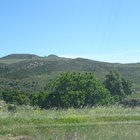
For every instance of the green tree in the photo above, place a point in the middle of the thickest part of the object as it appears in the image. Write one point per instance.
(74, 89)
(118, 86)
(15, 96)
(37, 99)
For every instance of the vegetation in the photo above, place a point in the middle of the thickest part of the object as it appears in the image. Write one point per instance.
(118, 86)
(76, 103)
(104, 123)
(73, 89)
(30, 73)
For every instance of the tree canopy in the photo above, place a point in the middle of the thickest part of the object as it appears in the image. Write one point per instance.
(74, 89)
(118, 85)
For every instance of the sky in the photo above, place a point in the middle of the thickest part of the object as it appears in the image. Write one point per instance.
(102, 30)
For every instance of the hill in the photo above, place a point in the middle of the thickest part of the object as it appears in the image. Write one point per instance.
(13, 58)
(19, 56)
(29, 72)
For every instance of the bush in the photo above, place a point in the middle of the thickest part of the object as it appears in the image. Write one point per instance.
(73, 89)
(16, 97)
(118, 86)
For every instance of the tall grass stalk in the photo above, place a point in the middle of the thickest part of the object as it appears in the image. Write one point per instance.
(98, 123)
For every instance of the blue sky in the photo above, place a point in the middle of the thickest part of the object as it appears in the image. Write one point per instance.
(104, 30)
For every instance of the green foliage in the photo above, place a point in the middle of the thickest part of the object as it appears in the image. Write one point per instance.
(23, 78)
(74, 89)
(118, 86)
(16, 97)
(38, 99)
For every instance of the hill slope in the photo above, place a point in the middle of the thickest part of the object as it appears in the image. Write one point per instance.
(31, 72)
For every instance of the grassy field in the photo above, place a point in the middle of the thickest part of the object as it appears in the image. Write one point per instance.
(97, 123)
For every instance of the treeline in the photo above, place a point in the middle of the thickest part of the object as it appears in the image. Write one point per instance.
(74, 89)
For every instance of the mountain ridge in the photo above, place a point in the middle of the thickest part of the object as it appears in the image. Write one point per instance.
(51, 56)
(28, 56)
(20, 56)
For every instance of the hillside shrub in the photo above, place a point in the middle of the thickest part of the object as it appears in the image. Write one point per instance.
(118, 86)
(16, 97)
(74, 89)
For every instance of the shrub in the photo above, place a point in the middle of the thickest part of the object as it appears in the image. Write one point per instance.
(118, 86)
(73, 89)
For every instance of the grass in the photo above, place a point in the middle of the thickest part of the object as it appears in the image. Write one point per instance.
(97, 123)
